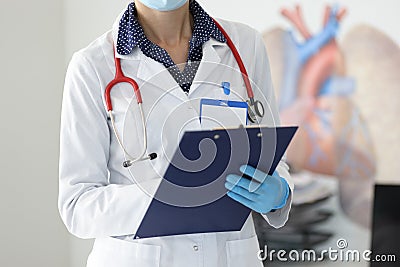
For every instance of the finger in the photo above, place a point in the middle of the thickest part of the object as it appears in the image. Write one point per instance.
(256, 174)
(243, 182)
(229, 185)
(233, 178)
(244, 193)
(240, 199)
(251, 186)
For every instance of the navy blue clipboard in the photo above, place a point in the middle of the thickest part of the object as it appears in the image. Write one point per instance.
(181, 204)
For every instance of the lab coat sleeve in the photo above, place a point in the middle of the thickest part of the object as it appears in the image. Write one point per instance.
(90, 207)
(262, 79)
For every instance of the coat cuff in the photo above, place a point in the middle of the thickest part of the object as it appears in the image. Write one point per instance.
(279, 217)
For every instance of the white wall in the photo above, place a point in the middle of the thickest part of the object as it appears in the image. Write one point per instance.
(31, 67)
(374, 12)
(85, 20)
(81, 29)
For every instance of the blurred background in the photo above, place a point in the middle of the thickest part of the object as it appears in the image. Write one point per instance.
(345, 96)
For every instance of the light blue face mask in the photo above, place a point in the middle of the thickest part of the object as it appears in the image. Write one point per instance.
(163, 5)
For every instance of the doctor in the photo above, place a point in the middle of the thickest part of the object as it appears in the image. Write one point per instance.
(175, 52)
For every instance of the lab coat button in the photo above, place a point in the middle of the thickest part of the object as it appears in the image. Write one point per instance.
(195, 248)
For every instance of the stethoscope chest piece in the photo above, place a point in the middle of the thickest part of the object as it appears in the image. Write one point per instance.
(254, 108)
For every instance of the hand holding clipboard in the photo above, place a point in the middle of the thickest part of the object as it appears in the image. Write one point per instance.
(192, 196)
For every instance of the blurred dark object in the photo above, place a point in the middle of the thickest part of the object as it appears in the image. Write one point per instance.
(386, 224)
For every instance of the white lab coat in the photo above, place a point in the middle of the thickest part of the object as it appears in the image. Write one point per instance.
(100, 199)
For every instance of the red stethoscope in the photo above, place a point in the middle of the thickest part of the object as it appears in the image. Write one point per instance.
(255, 107)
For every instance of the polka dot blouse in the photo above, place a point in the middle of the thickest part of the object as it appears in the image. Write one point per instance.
(131, 35)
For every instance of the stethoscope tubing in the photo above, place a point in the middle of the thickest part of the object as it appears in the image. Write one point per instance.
(120, 78)
(239, 61)
(258, 108)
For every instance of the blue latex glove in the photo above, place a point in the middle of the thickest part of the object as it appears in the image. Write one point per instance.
(262, 194)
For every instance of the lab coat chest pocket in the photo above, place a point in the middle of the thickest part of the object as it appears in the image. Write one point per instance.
(113, 252)
(243, 252)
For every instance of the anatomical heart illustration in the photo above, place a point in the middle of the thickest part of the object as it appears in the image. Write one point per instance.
(345, 97)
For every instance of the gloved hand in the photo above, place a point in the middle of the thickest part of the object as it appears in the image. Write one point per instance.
(262, 194)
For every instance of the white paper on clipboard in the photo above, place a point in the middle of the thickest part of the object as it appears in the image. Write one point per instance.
(222, 114)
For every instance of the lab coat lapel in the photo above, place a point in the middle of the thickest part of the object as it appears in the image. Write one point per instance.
(155, 73)
(208, 64)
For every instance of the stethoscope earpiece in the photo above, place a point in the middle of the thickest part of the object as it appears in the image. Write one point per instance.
(152, 156)
(129, 163)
